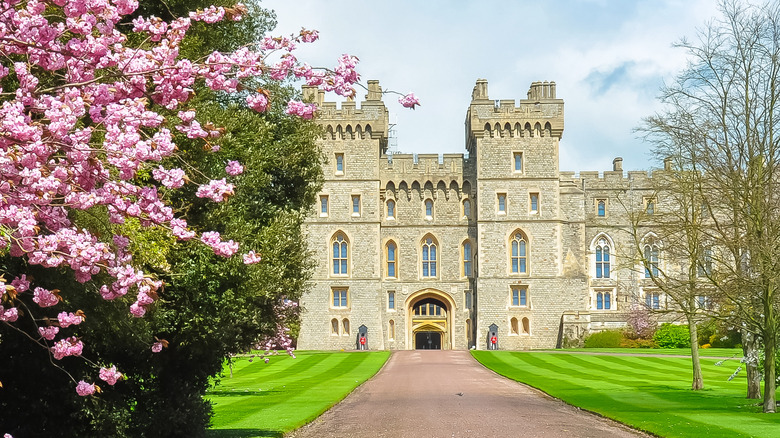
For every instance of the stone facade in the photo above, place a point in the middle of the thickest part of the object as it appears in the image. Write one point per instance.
(429, 251)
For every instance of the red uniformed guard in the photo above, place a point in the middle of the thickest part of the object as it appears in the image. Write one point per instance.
(493, 342)
(362, 343)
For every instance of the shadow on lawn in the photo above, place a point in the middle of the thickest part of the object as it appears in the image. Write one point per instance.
(242, 433)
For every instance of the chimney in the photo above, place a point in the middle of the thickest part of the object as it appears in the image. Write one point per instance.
(668, 163)
(617, 164)
(374, 90)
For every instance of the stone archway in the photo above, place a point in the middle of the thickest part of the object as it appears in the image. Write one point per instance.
(429, 320)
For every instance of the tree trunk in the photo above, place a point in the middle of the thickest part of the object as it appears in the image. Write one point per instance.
(751, 365)
(698, 381)
(770, 350)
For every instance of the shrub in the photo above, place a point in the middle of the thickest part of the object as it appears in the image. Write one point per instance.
(604, 339)
(672, 336)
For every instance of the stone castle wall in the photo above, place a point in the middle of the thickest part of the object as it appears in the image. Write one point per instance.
(482, 200)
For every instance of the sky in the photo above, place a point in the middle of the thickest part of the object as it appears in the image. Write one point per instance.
(608, 58)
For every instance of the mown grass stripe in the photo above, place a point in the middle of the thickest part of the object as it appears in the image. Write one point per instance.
(278, 397)
(650, 393)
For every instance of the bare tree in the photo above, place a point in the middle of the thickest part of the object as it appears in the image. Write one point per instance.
(720, 121)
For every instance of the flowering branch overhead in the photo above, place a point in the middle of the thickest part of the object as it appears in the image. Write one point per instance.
(82, 112)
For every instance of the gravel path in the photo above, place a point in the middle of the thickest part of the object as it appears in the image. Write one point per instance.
(449, 394)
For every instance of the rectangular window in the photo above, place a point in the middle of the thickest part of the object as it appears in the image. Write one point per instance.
(323, 205)
(355, 205)
(601, 207)
(653, 300)
(468, 300)
(520, 296)
(339, 298)
(518, 159)
(534, 202)
(467, 259)
(501, 203)
(339, 164)
(391, 300)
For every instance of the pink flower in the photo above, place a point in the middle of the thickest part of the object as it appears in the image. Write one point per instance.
(234, 168)
(44, 298)
(48, 333)
(171, 178)
(409, 101)
(179, 229)
(110, 375)
(8, 315)
(303, 110)
(216, 190)
(224, 249)
(157, 347)
(258, 102)
(137, 310)
(71, 346)
(84, 389)
(67, 319)
(251, 258)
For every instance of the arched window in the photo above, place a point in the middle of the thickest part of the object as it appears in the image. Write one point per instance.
(526, 326)
(466, 208)
(334, 326)
(467, 256)
(602, 208)
(340, 254)
(391, 330)
(514, 326)
(429, 257)
(345, 327)
(519, 257)
(602, 258)
(390, 209)
(651, 260)
(391, 256)
(428, 209)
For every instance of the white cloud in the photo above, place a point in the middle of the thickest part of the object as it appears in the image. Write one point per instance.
(608, 58)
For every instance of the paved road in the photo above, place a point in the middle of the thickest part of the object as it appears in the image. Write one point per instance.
(449, 394)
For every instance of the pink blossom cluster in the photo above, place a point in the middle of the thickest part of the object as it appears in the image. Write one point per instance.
(251, 258)
(300, 109)
(44, 297)
(234, 168)
(110, 375)
(157, 347)
(216, 190)
(213, 240)
(409, 101)
(78, 140)
(84, 389)
(10, 314)
(71, 346)
(67, 319)
(48, 333)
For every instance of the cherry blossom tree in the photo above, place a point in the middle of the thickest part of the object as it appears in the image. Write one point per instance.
(85, 114)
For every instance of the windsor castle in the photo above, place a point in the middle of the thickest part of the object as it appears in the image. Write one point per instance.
(445, 252)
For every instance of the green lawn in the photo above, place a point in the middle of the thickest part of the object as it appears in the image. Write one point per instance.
(649, 393)
(703, 352)
(263, 400)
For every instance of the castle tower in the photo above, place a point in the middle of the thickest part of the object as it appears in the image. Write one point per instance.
(343, 229)
(529, 228)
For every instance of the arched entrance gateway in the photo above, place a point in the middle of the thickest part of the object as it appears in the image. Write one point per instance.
(429, 320)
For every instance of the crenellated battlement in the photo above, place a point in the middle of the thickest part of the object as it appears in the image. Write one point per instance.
(612, 179)
(345, 121)
(539, 115)
(413, 173)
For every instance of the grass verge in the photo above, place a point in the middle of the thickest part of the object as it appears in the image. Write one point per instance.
(649, 393)
(268, 400)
